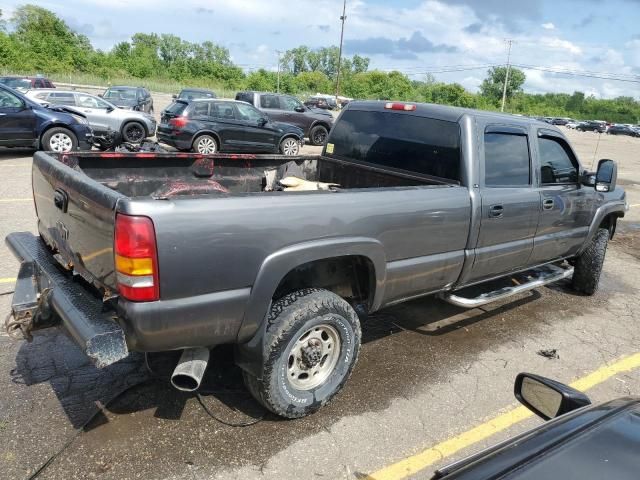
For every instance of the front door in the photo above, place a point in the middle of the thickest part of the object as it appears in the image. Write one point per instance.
(100, 114)
(510, 205)
(566, 206)
(17, 121)
(258, 137)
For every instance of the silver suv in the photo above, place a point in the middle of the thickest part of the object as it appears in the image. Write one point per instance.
(101, 114)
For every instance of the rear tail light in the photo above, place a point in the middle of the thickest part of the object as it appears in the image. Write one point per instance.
(136, 258)
(178, 122)
(407, 107)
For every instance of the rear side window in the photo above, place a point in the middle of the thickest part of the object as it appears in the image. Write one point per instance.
(62, 98)
(401, 141)
(222, 111)
(557, 162)
(176, 108)
(506, 160)
(269, 101)
(199, 109)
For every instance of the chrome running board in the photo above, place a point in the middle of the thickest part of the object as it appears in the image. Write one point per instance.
(536, 278)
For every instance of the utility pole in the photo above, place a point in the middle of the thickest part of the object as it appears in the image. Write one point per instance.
(278, 52)
(506, 77)
(342, 18)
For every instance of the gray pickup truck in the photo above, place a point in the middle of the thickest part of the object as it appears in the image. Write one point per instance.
(155, 252)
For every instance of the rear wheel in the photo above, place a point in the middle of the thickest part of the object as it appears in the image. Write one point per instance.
(588, 265)
(290, 146)
(311, 346)
(318, 135)
(59, 139)
(205, 144)
(133, 132)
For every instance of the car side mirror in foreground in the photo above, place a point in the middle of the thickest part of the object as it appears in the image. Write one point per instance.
(547, 398)
(299, 109)
(262, 122)
(606, 176)
(174, 96)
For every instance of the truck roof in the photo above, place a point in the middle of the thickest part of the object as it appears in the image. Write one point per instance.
(447, 113)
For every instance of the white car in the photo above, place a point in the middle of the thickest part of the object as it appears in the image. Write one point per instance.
(572, 125)
(102, 115)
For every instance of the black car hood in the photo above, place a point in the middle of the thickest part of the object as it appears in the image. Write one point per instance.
(319, 111)
(122, 103)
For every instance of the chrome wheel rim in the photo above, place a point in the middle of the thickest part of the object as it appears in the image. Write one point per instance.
(206, 146)
(313, 357)
(290, 147)
(61, 142)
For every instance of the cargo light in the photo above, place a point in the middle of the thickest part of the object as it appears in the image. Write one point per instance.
(407, 107)
(136, 258)
(178, 122)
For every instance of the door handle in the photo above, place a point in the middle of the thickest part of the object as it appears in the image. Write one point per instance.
(548, 204)
(496, 211)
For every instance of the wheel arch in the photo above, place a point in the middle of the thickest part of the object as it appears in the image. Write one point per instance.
(605, 216)
(367, 255)
(49, 126)
(129, 120)
(199, 133)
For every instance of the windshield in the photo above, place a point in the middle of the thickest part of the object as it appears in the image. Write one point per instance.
(16, 82)
(195, 94)
(120, 94)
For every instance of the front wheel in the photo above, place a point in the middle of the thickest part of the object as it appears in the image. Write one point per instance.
(133, 132)
(588, 265)
(311, 345)
(290, 147)
(59, 139)
(318, 135)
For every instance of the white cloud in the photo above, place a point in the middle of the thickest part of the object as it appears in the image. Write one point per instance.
(548, 26)
(560, 44)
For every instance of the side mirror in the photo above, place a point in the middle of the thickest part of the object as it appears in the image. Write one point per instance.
(606, 176)
(109, 109)
(101, 95)
(547, 398)
(299, 109)
(174, 96)
(262, 122)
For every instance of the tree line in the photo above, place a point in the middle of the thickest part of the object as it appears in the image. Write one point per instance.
(35, 40)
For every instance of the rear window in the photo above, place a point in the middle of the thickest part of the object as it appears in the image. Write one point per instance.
(245, 97)
(401, 141)
(176, 108)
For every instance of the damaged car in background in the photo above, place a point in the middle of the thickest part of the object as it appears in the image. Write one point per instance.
(283, 256)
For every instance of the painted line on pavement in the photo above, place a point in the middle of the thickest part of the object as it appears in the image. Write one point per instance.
(15, 200)
(415, 463)
(8, 280)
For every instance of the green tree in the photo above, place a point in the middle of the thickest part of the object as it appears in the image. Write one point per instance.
(492, 86)
(312, 82)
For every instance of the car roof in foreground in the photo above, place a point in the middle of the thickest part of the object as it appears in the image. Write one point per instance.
(446, 113)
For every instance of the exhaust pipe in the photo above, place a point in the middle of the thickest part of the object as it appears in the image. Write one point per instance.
(190, 369)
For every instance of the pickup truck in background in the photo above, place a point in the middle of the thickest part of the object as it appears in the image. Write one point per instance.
(155, 252)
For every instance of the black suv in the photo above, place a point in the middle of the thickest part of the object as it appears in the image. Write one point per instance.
(624, 130)
(130, 98)
(315, 123)
(210, 126)
(592, 126)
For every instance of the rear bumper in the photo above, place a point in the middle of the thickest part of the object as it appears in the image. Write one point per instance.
(44, 296)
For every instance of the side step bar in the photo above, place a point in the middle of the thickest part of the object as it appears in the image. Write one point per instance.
(535, 278)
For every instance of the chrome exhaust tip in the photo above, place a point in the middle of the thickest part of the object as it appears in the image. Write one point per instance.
(190, 369)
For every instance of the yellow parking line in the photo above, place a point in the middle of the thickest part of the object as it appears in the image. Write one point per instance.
(15, 200)
(15, 165)
(7, 280)
(415, 463)
(635, 205)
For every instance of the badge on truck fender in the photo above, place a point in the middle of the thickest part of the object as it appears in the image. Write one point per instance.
(329, 147)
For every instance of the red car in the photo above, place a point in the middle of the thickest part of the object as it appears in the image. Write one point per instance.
(26, 83)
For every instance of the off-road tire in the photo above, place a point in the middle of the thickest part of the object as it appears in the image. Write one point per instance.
(133, 132)
(288, 318)
(588, 265)
(316, 133)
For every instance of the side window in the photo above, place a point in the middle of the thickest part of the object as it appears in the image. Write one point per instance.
(39, 83)
(200, 109)
(248, 113)
(506, 160)
(269, 101)
(62, 99)
(8, 100)
(222, 110)
(557, 162)
(289, 103)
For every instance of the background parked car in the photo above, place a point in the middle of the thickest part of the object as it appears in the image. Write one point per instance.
(317, 102)
(22, 84)
(101, 114)
(623, 130)
(572, 124)
(194, 94)
(315, 123)
(25, 123)
(210, 126)
(592, 126)
(130, 98)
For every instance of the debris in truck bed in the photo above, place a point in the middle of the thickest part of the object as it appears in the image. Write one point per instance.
(189, 188)
(551, 354)
(295, 184)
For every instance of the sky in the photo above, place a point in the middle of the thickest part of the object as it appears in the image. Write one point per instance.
(415, 37)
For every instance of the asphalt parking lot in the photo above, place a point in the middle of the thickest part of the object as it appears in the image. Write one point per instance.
(433, 382)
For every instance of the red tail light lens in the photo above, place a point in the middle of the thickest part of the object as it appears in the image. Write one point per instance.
(136, 258)
(178, 122)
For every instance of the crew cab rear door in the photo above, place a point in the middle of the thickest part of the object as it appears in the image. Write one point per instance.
(566, 207)
(510, 203)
